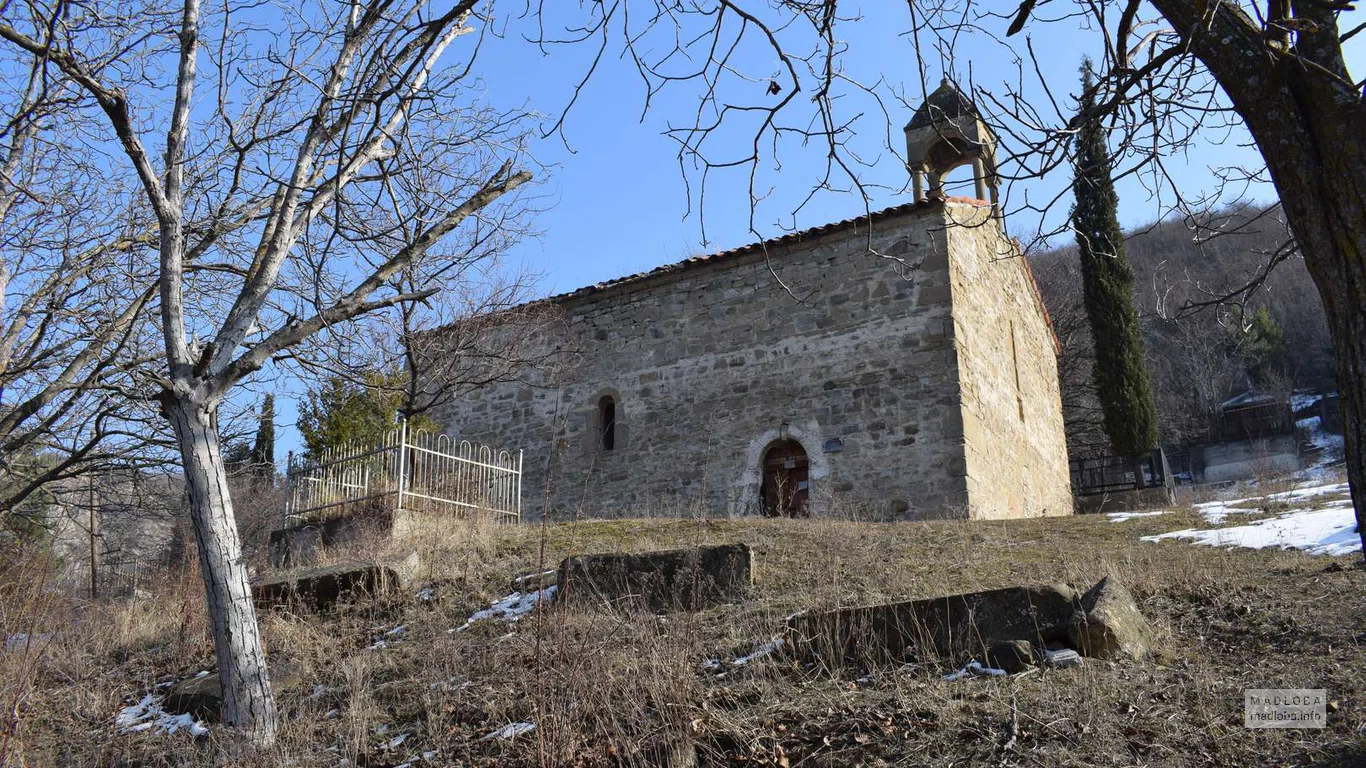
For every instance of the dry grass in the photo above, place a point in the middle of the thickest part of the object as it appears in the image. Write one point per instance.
(627, 690)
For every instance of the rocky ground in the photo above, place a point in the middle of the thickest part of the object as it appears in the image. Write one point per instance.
(410, 680)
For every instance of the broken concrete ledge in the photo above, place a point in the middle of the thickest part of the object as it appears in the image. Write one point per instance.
(1103, 623)
(686, 579)
(322, 587)
(201, 697)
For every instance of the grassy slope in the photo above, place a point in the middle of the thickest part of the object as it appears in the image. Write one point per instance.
(620, 690)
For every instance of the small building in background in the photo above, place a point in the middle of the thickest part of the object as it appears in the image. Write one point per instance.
(1253, 435)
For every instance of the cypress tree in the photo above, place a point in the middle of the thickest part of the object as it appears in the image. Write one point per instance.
(263, 450)
(1120, 372)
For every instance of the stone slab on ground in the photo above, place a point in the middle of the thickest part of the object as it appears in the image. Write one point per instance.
(953, 627)
(323, 586)
(202, 697)
(687, 579)
(1012, 655)
(1110, 625)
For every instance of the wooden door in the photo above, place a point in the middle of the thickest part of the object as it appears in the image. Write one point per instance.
(786, 486)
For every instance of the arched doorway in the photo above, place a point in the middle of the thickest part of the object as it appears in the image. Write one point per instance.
(785, 491)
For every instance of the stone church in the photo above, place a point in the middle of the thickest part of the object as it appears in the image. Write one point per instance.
(899, 365)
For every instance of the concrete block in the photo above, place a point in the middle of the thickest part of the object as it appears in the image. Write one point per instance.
(1109, 625)
(300, 544)
(686, 579)
(324, 586)
(954, 627)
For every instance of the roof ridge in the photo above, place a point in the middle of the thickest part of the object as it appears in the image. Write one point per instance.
(789, 238)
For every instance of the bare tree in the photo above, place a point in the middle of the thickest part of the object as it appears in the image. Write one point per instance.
(484, 326)
(1177, 69)
(73, 297)
(307, 163)
(492, 337)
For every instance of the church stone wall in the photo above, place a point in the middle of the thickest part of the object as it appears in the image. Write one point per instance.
(710, 363)
(1012, 405)
(920, 384)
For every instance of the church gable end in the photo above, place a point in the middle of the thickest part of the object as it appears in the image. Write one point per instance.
(1012, 407)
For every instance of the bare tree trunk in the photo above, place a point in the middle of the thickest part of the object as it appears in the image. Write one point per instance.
(1305, 114)
(1325, 204)
(248, 703)
(1349, 345)
(378, 99)
(1316, 151)
(1331, 229)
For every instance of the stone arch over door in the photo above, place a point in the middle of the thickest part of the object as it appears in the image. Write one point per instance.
(785, 490)
(746, 490)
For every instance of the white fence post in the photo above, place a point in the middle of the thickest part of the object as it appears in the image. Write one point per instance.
(518, 499)
(402, 459)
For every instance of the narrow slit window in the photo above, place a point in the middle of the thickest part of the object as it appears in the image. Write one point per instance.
(1015, 364)
(607, 422)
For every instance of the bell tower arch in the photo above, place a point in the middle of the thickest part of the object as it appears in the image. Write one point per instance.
(945, 133)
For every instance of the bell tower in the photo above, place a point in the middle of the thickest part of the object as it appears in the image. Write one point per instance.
(947, 132)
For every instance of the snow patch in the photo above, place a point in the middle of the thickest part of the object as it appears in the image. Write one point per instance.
(1119, 517)
(760, 652)
(1217, 511)
(1326, 531)
(398, 740)
(1301, 400)
(390, 636)
(510, 608)
(974, 668)
(427, 756)
(1311, 492)
(22, 641)
(716, 665)
(1333, 446)
(147, 715)
(509, 731)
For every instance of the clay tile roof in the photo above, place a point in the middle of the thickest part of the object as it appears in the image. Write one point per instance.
(791, 238)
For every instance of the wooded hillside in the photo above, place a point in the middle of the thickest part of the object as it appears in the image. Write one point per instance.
(1208, 335)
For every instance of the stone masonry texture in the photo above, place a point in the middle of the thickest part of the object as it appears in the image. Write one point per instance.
(920, 378)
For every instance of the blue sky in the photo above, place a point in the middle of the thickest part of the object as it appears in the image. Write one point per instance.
(618, 200)
(615, 202)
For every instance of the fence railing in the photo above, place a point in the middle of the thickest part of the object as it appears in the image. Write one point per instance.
(405, 468)
(1112, 474)
(120, 576)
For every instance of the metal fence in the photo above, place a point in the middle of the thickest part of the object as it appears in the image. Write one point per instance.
(1112, 474)
(120, 576)
(405, 468)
